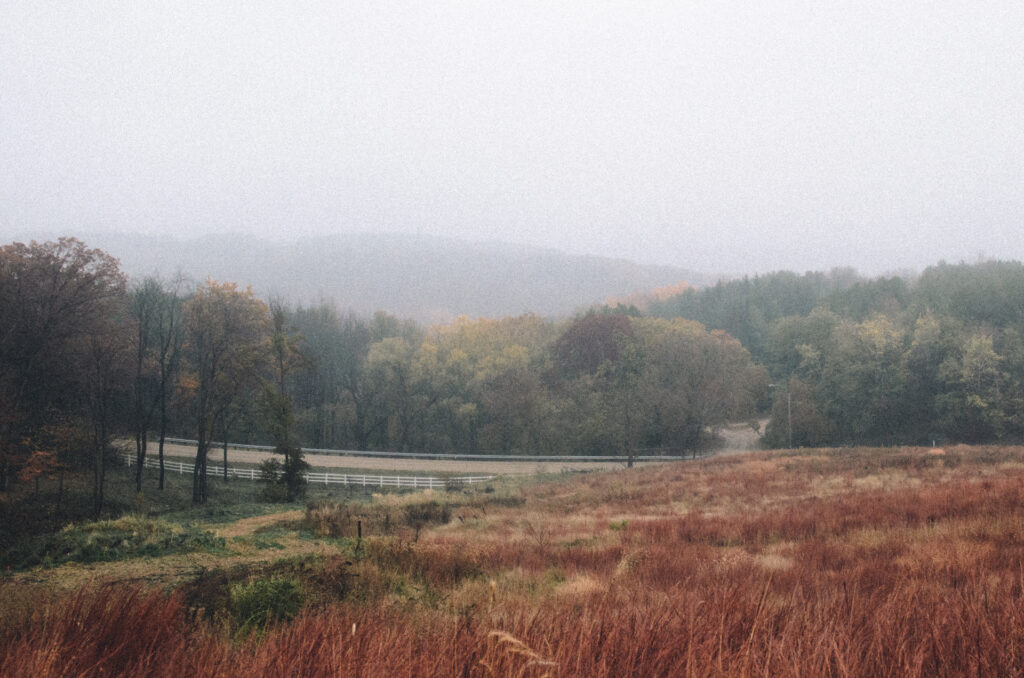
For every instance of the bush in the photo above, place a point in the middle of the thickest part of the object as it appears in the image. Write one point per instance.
(418, 516)
(283, 482)
(271, 489)
(330, 519)
(257, 603)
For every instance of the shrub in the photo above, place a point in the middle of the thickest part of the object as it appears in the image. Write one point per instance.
(257, 603)
(272, 490)
(283, 482)
(330, 519)
(292, 472)
(418, 516)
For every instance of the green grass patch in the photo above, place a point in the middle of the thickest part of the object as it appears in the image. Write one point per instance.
(258, 542)
(123, 538)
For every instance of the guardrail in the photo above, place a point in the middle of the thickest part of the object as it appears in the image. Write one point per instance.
(357, 479)
(526, 459)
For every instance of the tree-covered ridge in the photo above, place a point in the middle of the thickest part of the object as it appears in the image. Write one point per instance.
(87, 357)
(937, 357)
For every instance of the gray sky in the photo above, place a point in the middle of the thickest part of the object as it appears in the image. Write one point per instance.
(719, 136)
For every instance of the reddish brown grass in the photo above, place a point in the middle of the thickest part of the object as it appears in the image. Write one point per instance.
(777, 565)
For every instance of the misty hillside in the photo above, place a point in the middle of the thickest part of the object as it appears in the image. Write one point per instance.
(423, 277)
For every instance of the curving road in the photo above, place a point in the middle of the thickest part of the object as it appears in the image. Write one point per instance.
(459, 466)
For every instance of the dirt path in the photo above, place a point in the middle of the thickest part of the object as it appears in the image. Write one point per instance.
(179, 567)
(248, 526)
(741, 437)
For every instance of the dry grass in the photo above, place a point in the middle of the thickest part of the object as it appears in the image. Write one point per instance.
(829, 562)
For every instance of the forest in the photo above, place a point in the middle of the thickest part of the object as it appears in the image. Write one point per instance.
(902, 360)
(88, 357)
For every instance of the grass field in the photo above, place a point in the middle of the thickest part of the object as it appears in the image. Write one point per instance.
(862, 562)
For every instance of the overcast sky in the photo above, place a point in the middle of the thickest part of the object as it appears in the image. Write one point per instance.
(719, 136)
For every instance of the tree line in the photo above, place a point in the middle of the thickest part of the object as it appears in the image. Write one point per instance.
(88, 357)
(937, 357)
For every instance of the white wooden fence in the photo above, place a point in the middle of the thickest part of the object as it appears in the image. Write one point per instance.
(360, 479)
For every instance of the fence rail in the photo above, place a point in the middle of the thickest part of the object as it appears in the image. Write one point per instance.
(526, 459)
(358, 479)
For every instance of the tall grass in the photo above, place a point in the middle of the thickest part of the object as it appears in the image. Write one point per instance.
(735, 626)
(773, 564)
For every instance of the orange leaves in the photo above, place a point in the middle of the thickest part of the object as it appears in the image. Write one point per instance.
(39, 463)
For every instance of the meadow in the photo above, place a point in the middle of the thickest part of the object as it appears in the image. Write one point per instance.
(833, 562)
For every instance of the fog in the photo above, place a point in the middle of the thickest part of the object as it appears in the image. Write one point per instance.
(735, 137)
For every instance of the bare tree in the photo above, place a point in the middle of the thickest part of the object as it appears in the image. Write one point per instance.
(156, 309)
(105, 373)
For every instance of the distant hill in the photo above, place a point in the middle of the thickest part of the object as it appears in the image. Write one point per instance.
(422, 277)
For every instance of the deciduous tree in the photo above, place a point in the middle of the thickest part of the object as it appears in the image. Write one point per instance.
(53, 296)
(226, 334)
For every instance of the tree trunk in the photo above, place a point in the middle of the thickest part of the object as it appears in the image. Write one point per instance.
(160, 454)
(140, 459)
(99, 471)
(5, 444)
(163, 435)
(199, 469)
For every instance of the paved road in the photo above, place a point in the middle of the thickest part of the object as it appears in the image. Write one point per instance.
(463, 467)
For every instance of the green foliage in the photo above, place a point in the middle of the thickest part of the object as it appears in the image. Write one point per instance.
(292, 473)
(271, 488)
(126, 537)
(244, 598)
(885, 361)
(591, 342)
(282, 482)
(746, 308)
(257, 603)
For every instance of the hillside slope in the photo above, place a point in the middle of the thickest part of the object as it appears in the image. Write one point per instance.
(421, 277)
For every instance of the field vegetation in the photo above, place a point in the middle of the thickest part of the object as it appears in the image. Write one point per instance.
(853, 561)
